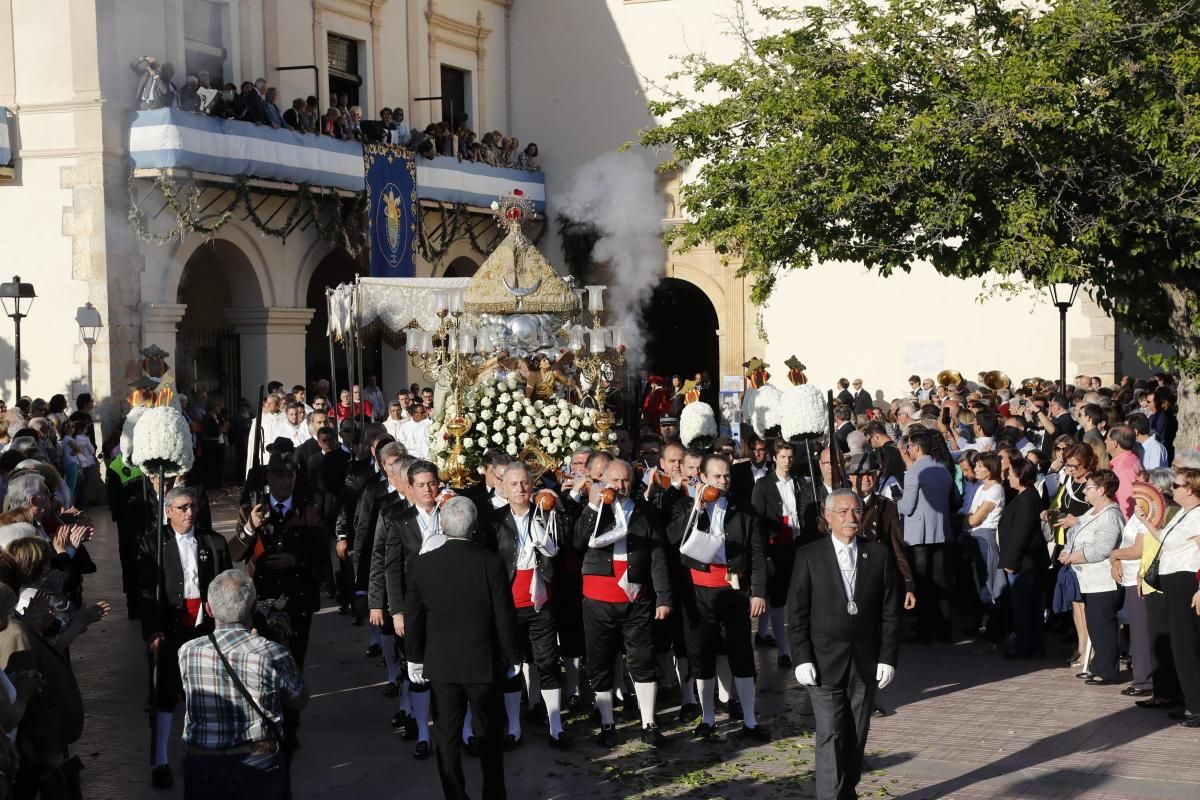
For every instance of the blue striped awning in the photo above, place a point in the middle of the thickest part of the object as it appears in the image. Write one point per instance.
(5, 147)
(170, 138)
(452, 181)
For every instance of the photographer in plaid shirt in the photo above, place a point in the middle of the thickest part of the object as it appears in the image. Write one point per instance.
(230, 750)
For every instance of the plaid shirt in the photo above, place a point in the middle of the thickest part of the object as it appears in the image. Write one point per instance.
(217, 715)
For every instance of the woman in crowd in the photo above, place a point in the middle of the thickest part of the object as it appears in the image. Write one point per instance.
(1065, 510)
(1160, 405)
(983, 518)
(1178, 562)
(56, 411)
(527, 160)
(1024, 558)
(1166, 693)
(1094, 536)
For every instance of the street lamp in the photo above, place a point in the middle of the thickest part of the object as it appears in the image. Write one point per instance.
(17, 297)
(89, 330)
(1063, 294)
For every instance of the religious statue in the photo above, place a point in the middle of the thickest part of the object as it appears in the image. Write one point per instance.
(543, 379)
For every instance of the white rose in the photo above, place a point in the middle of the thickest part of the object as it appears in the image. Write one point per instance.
(584, 436)
(523, 437)
(512, 430)
(563, 405)
(552, 449)
(485, 402)
(511, 449)
(491, 392)
(563, 420)
(498, 438)
(501, 408)
(512, 416)
(544, 433)
(468, 442)
(612, 436)
(481, 429)
(526, 422)
(575, 424)
(462, 459)
(538, 403)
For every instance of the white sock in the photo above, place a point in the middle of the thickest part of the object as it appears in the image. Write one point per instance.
(666, 669)
(781, 640)
(571, 677)
(389, 657)
(467, 731)
(512, 710)
(647, 692)
(552, 700)
(420, 704)
(604, 702)
(706, 688)
(745, 690)
(162, 737)
(724, 679)
(687, 687)
(533, 684)
(376, 636)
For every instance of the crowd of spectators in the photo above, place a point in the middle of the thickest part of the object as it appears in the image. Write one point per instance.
(259, 103)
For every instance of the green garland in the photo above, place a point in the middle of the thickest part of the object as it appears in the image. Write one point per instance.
(456, 222)
(346, 228)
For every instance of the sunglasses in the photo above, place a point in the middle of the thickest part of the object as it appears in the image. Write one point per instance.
(1069, 465)
(1179, 485)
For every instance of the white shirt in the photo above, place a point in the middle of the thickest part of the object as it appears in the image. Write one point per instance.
(759, 472)
(788, 495)
(1130, 566)
(716, 525)
(847, 558)
(299, 434)
(1154, 455)
(415, 437)
(1179, 552)
(431, 529)
(394, 426)
(993, 494)
(526, 552)
(189, 560)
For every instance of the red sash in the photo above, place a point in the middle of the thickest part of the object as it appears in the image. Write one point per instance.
(190, 611)
(784, 534)
(604, 588)
(522, 590)
(713, 579)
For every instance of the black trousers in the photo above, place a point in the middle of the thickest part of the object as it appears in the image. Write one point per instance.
(842, 711)
(713, 613)
(1100, 609)
(166, 662)
(127, 550)
(605, 627)
(537, 639)
(567, 600)
(932, 577)
(212, 457)
(1162, 660)
(783, 557)
(1025, 592)
(450, 702)
(1179, 587)
(301, 628)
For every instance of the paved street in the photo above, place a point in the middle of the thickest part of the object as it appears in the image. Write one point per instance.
(969, 726)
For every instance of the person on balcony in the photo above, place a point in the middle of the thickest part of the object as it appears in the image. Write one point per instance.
(403, 134)
(253, 105)
(155, 89)
(527, 160)
(189, 97)
(205, 91)
(291, 117)
(331, 123)
(310, 117)
(227, 104)
(271, 109)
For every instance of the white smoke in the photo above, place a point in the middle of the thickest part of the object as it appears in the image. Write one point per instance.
(615, 195)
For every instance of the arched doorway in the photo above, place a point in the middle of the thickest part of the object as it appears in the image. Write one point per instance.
(681, 331)
(336, 268)
(217, 276)
(461, 267)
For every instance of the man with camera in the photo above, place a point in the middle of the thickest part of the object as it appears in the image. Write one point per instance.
(280, 539)
(238, 687)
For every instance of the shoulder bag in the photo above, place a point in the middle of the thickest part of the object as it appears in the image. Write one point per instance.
(271, 725)
(1151, 577)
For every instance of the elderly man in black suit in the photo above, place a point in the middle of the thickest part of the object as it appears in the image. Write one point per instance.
(844, 619)
(462, 638)
(172, 605)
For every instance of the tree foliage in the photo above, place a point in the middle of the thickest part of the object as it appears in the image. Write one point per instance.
(1044, 143)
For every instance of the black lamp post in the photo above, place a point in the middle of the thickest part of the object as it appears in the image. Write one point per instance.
(17, 297)
(89, 331)
(1063, 295)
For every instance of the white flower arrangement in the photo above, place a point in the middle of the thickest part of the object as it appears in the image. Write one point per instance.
(695, 423)
(802, 411)
(162, 438)
(127, 431)
(760, 406)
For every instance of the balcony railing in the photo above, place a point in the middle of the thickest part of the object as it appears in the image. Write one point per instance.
(173, 139)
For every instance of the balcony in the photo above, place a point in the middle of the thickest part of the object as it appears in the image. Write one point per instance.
(218, 150)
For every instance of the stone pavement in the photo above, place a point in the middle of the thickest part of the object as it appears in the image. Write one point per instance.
(969, 726)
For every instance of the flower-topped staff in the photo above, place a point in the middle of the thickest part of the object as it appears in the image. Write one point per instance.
(697, 425)
(162, 442)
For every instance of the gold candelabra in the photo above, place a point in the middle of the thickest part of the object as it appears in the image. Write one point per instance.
(596, 368)
(447, 361)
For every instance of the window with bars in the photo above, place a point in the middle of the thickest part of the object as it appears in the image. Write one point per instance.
(342, 63)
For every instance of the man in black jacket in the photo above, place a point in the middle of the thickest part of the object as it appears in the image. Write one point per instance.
(191, 557)
(844, 616)
(745, 474)
(726, 589)
(626, 585)
(461, 637)
(528, 550)
(364, 470)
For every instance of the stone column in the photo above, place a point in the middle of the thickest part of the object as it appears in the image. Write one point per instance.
(272, 345)
(160, 324)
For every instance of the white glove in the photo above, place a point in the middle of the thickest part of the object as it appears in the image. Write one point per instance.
(884, 674)
(512, 671)
(416, 673)
(807, 674)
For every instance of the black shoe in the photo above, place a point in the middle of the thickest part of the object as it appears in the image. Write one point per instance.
(880, 711)
(391, 690)
(511, 742)
(560, 742)
(343, 610)
(735, 710)
(1158, 704)
(607, 737)
(1191, 722)
(161, 777)
(398, 719)
(764, 641)
(471, 746)
(410, 728)
(1130, 691)
(374, 651)
(652, 736)
(1083, 675)
(758, 733)
(573, 704)
(1099, 682)
(705, 731)
(688, 712)
(1181, 714)
(784, 661)
(422, 751)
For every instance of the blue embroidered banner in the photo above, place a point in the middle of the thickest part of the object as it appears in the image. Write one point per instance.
(392, 192)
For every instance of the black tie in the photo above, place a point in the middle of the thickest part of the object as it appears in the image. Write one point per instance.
(279, 509)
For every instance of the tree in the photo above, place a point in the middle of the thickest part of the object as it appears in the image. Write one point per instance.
(1044, 144)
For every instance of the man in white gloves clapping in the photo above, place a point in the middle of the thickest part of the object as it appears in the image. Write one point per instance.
(844, 617)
